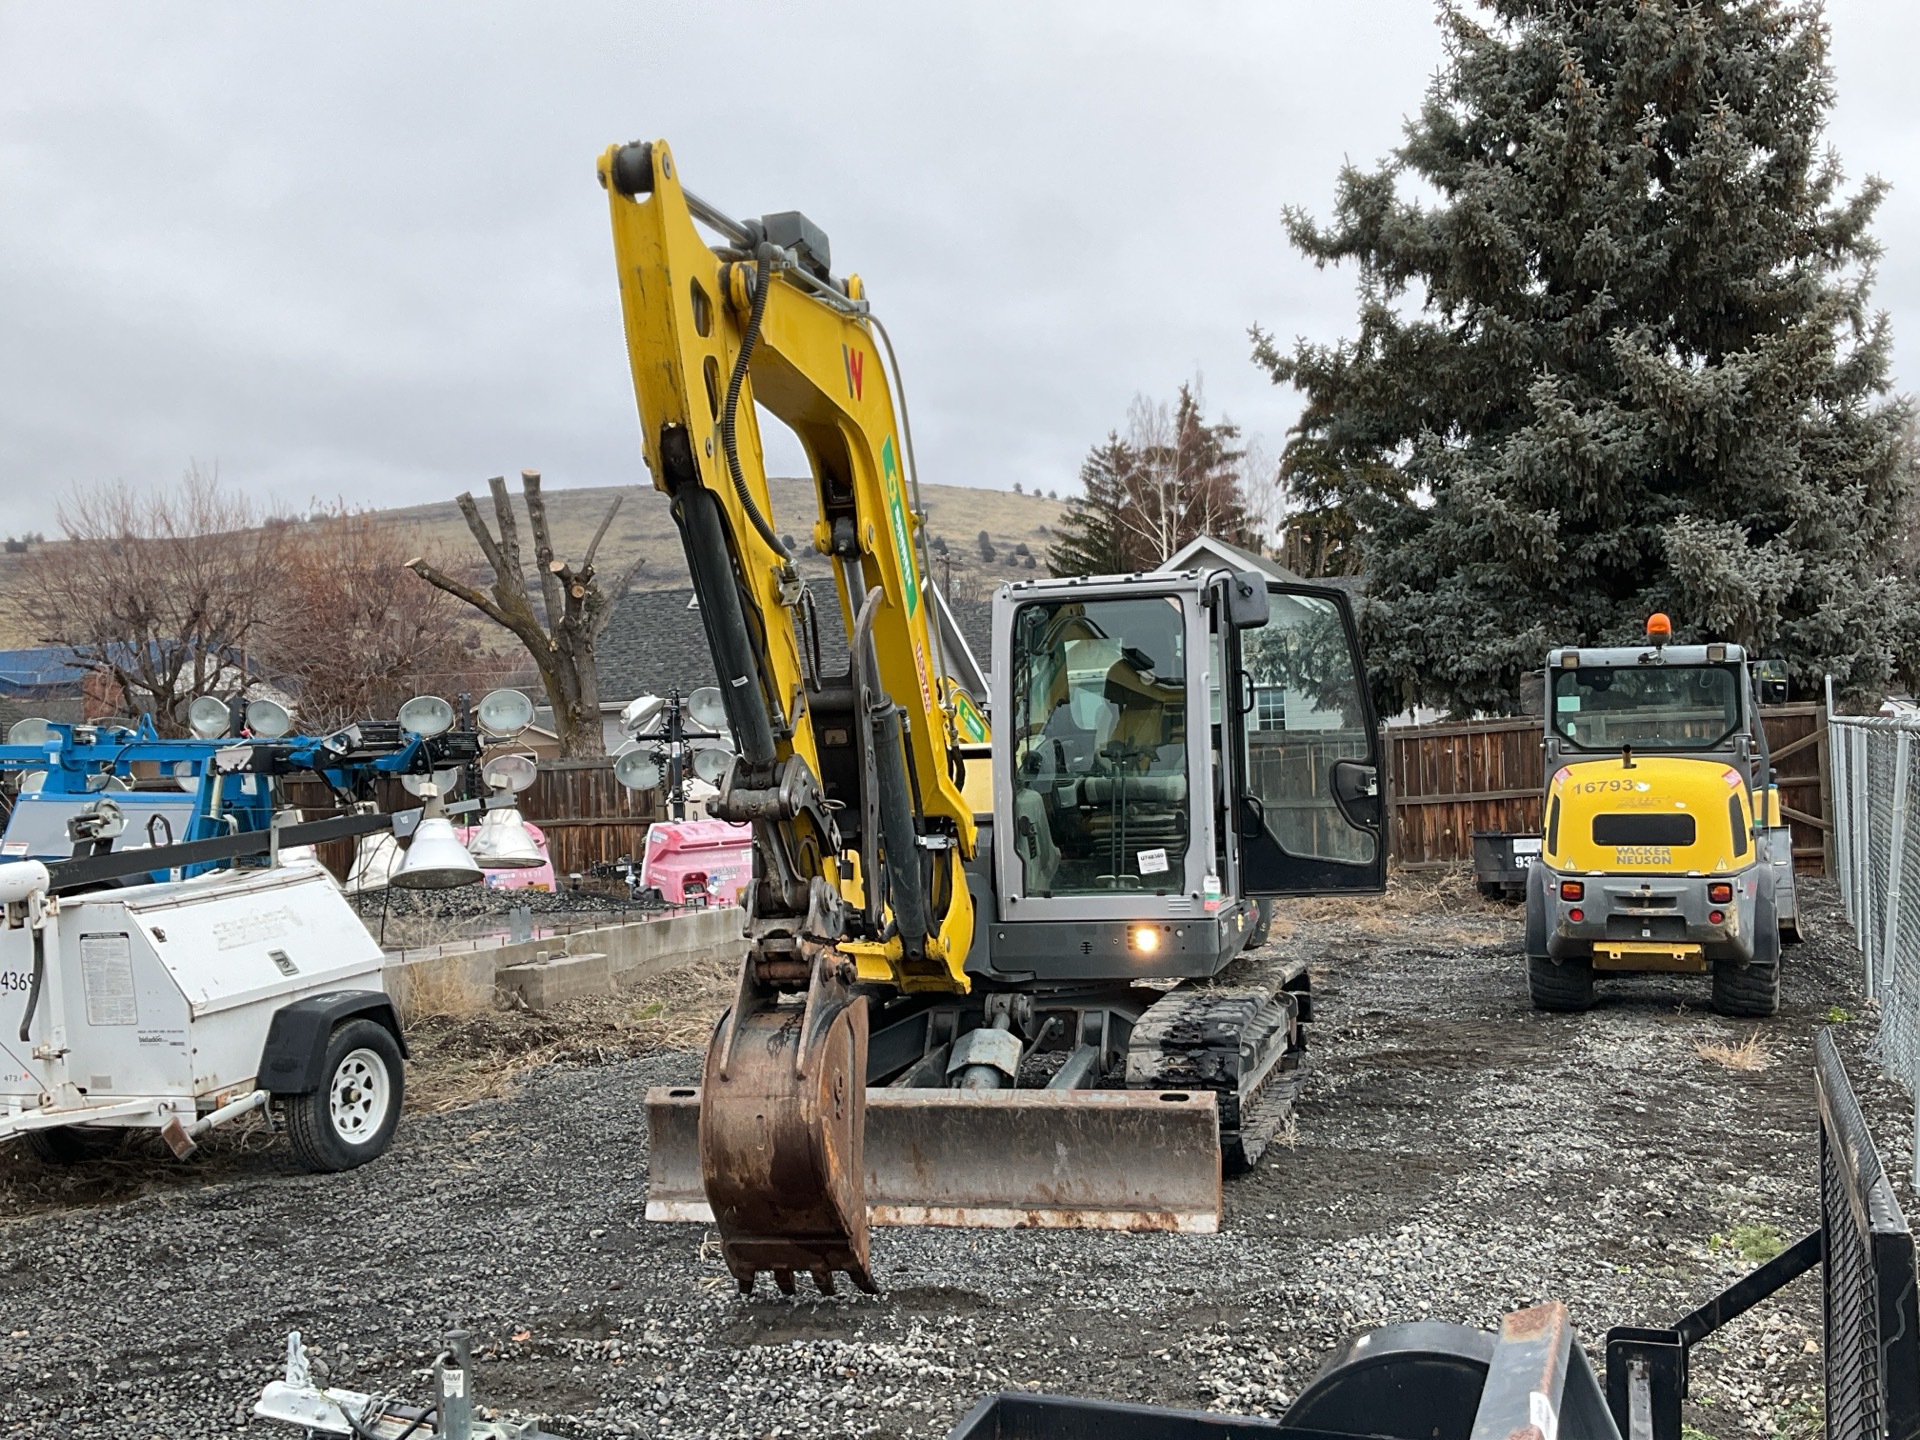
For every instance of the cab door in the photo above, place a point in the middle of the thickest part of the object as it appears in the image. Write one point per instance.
(1309, 808)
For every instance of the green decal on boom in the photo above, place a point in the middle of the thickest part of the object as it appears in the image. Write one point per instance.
(897, 522)
(972, 725)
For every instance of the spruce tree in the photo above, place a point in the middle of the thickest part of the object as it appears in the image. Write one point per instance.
(1615, 355)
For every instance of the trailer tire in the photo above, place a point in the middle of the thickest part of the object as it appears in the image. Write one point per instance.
(350, 1118)
(1752, 991)
(74, 1144)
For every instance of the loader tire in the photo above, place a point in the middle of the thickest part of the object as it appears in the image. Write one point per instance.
(1565, 985)
(350, 1118)
(74, 1144)
(1752, 990)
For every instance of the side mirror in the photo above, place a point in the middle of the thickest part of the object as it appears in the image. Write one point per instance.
(1246, 603)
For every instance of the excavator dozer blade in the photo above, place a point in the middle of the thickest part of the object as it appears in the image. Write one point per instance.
(779, 1146)
(1047, 1159)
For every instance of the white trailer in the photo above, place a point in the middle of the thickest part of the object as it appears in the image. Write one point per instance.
(184, 1005)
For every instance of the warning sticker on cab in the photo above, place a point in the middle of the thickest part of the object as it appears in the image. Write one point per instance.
(1643, 854)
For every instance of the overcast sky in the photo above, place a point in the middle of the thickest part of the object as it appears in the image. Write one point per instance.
(358, 250)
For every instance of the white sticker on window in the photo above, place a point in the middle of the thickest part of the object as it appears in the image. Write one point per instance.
(106, 974)
(1152, 862)
(1569, 702)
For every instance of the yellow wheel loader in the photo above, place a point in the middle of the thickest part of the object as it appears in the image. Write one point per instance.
(1664, 845)
(989, 978)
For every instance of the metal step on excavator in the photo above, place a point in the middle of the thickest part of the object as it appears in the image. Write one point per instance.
(991, 978)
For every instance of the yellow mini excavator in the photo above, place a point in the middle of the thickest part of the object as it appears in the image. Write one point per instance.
(997, 980)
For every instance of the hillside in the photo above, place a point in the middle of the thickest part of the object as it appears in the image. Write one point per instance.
(644, 528)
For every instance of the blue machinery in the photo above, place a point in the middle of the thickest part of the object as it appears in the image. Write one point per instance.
(187, 806)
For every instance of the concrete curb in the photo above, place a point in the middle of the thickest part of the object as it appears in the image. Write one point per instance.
(465, 975)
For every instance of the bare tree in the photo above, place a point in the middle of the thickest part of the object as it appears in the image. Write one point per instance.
(1188, 478)
(561, 637)
(354, 639)
(162, 594)
(1175, 475)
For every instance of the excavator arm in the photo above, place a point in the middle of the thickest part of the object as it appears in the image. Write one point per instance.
(851, 781)
(710, 331)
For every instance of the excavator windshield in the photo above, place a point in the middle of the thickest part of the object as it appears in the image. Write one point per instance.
(1100, 745)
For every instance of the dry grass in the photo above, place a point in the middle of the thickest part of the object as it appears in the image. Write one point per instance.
(142, 1166)
(429, 989)
(462, 1059)
(1445, 899)
(1750, 1054)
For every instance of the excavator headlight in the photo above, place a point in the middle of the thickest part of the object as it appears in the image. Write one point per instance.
(1144, 938)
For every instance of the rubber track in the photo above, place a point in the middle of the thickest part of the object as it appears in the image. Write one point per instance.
(1245, 1044)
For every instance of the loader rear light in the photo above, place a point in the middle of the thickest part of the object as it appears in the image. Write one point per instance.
(1576, 916)
(1720, 894)
(1572, 890)
(1716, 917)
(1145, 939)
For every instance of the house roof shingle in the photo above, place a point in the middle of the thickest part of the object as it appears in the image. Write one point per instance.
(655, 642)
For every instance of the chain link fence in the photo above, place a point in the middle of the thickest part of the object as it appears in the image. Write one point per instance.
(1876, 820)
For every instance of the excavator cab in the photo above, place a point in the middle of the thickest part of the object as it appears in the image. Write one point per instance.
(1173, 757)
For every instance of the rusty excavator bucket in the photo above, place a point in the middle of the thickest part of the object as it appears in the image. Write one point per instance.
(779, 1140)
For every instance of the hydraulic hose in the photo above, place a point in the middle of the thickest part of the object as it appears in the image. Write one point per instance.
(33, 986)
(762, 278)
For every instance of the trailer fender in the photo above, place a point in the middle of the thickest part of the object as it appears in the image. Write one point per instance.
(296, 1046)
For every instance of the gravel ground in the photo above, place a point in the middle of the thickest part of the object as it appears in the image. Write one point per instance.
(1456, 1156)
(405, 919)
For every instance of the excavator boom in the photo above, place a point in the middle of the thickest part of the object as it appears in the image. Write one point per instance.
(851, 781)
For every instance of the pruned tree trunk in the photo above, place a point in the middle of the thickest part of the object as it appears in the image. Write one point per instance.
(576, 605)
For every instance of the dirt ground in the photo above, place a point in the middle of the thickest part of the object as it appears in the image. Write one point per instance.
(1456, 1155)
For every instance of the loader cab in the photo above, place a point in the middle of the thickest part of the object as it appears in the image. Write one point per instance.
(1179, 746)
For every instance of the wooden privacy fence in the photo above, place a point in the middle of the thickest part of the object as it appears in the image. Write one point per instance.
(1447, 781)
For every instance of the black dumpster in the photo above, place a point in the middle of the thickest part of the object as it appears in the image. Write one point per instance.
(1500, 861)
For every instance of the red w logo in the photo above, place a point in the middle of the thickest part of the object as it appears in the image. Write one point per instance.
(856, 369)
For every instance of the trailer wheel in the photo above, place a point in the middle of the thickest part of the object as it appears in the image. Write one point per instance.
(74, 1144)
(350, 1119)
